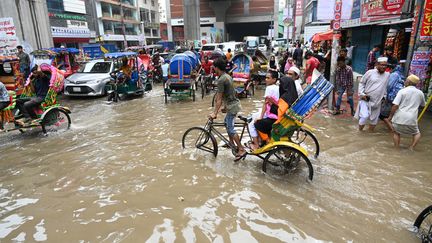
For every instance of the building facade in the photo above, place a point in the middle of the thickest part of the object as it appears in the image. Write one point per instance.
(235, 19)
(150, 21)
(72, 22)
(29, 20)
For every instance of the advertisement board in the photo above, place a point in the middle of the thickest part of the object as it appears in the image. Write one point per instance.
(373, 10)
(8, 38)
(419, 65)
(426, 24)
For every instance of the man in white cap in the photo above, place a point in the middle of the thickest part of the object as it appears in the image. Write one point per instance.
(371, 91)
(294, 73)
(405, 110)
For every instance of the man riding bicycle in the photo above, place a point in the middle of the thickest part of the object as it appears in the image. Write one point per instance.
(227, 94)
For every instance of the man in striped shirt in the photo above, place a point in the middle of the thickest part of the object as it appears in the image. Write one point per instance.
(344, 82)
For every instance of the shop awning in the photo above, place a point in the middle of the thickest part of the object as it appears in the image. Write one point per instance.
(323, 36)
(397, 21)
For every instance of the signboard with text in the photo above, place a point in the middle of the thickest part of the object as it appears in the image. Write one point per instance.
(419, 65)
(8, 38)
(393, 5)
(373, 10)
(426, 24)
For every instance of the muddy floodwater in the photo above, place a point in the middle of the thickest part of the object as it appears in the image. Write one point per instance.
(120, 175)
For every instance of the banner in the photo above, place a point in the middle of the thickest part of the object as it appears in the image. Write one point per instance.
(419, 65)
(426, 25)
(325, 9)
(8, 38)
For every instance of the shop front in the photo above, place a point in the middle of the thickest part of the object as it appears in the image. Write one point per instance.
(70, 37)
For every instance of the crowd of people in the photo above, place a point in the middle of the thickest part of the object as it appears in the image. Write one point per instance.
(384, 94)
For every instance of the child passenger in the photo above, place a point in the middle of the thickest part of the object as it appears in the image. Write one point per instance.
(262, 122)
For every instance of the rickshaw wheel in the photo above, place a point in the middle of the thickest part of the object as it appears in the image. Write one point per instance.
(283, 160)
(55, 120)
(199, 138)
(301, 135)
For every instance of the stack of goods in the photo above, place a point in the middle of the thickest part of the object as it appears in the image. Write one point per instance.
(398, 45)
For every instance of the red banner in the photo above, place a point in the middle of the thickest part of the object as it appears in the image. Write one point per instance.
(337, 15)
(373, 10)
(426, 26)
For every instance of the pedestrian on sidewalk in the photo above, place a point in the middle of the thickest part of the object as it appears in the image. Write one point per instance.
(396, 83)
(311, 64)
(344, 53)
(344, 82)
(405, 111)
(350, 50)
(298, 56)
(372, 88)
(372, 58)
(24, 61)
(273, 64)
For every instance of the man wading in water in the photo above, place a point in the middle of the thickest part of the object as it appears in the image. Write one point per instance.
(226, 92)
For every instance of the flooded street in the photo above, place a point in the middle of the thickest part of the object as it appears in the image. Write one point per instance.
(120, 174)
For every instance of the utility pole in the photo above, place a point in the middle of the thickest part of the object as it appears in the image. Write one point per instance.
(123, 27)
(335, 47)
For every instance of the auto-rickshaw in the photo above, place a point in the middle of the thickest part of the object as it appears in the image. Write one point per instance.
(121, 85)
(10, 74)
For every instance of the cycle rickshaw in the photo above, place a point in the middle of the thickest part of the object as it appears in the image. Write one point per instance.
(181, 77)
(10, 74)
(52, 117)
(61, 58)
(122, 86)
(286, 151)
(243, 84)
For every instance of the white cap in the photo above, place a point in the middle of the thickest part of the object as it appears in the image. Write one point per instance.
(295, 69)
(382, 59)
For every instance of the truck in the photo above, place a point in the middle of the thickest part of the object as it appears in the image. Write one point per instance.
(98, 50)
(251, 43)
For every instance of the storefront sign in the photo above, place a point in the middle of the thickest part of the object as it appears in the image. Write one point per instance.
(419, 64)
(426, 25)
(373, 10)
(392, 5)
(8, 38)
(180, 22)
(66, 16)
(337, 15)
(76, 24)
(325, 9)
(299, 7)
(74, 6)
(70, 32)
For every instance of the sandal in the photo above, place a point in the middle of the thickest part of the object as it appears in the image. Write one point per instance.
(241, 156)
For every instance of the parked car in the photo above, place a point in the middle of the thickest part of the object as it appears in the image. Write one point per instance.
(207, 49)
(262, 47)
(90, 80)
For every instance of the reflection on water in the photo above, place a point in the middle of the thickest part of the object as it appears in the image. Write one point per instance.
(120, 175)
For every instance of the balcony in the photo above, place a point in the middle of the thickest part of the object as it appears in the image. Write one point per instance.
(151, 25)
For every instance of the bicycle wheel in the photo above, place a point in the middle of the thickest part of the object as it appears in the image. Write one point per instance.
(283, 160)
(55, 120)
(307, 140)
(424, 225)
(199, 138)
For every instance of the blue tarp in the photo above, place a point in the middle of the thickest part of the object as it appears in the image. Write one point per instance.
(70, 50)
(180, 65)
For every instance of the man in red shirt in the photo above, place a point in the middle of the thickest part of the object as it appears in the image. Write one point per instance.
(207, 65)
(311, 63)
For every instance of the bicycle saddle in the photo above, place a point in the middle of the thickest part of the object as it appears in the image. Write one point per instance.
(245, 119)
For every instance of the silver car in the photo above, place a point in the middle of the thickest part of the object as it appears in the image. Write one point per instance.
(90, 80)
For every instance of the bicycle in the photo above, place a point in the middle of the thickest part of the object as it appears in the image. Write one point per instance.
(281, 156)
(423, 225)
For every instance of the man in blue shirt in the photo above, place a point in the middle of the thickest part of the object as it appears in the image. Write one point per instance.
(27, 105)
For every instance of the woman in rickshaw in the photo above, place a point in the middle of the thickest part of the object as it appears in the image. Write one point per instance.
(126, 68)
(287, 96)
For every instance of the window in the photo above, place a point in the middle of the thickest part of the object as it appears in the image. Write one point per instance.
(153, 17)
(152, 1)
(145, 1)
(55, 5)
(155, 32)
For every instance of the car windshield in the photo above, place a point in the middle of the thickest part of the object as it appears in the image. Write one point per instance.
(208, 48)
(95, 67)
(251, 43)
